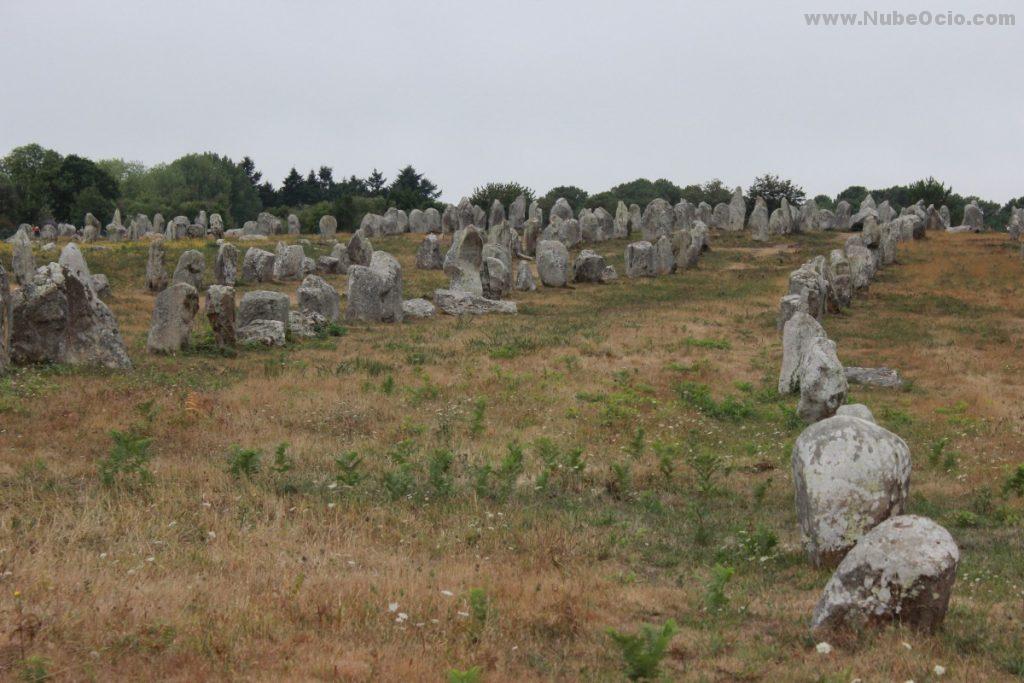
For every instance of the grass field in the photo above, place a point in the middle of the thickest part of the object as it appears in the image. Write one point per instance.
(499, 492)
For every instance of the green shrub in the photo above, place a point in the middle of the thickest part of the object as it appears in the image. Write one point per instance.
(642, 653)
(715, 598)
(126, 463)
(347, 468)
(244, 461)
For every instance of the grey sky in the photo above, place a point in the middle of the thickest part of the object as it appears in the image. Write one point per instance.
(582, 92)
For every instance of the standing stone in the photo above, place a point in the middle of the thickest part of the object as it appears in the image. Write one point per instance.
(294, 226)
(91, 220)
(328, 226)
(57, 318)
(662, 260)
(811, 285)
(842, 277)
(534, 211)
(758, 224)
(417, 222)
(428, 256)
(944, 215)
(842, 221)
(635, 219)
(808, 221)
(479, 217)
(262, 333)
(862, 263)
(497, 214)
(590, 226)
(396, 221)
(606, 224)
(850, 475)
(23, 263)
(703, 213)
(517, 213)
(639, 259)
(317, 297)
(464, 303)
(449, 220)
(560, 211)
(885, 212)
(371, 225)
(974, 218)
(359, 250)
(737, 211)
(621, 226)
(524, 278)
(433, 220)
(825, 220)
(158, 223)
(289, 262)
(340, 255)
(531, 234)
(173, 312)
(216, 225)
(823, 384)
(901, 571)
(200, 219)
(156, 272)
(495, 278)
(190, 269)
(177, 229)
(5, 321)
(220, 311)
(797, 335)
(263, 305)
(658, 219)
(552, 263)
(464, 260)
(778, 224)
(267, 224)
(418, 308)
(591, 267)
(720, 217)
(375, 291)
(225, 267)
(790, 305)
(257, 265)
(72, 259)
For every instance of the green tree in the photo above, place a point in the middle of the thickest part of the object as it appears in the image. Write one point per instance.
(29, 172)
(854, 194)
(773, 189)
(506, 193)
(412, 190)
(292, 189)
(376, 183)
(81, 182)
(823, 201)
(713, 192)
(576, 197)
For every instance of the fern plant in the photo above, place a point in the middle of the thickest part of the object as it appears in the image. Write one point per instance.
(642, 652)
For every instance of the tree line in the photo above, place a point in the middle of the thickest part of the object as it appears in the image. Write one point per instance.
(38, 185)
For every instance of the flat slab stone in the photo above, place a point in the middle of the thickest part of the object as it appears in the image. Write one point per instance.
(875, 377)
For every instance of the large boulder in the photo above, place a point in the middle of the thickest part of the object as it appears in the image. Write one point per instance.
(23, 263)
(57, 318)
(156, 272)
(72, 259)
(790, 305)
(495, 278)
(590, 226)
(190, 269)
(798, 332)
(328, 226)
(517, 213)
(552, 263)
(901, 571)
(375, 291)
(606, 224)
(823, 384)
(463, 261)
(463, 303)
(974, 220)
(262, 333)
(589, 266)
(758, 223)
(662, 259)
(433, 220)
(497, 213)
(417, 222)
(173, 312)
(737, 211)
(289, 262)
(811, 285)
(524, 278)
(359, 250)
(225, 266)
(371, 225)
(428, 256)
(395, 221)
(263, 305)
(220, 311)
(850, 475)
(842, 277)
(620, 228)
(316, 296)
(720, 216)
(560, 211)
(657, 220)
(258, 265)
(294, 226)
(639, 259)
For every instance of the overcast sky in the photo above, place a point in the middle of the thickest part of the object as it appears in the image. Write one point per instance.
(553, 92)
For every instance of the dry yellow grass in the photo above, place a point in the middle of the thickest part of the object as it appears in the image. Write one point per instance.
(206, 576)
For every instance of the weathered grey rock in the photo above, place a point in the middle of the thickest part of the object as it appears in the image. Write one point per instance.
(173, 312)
(216, 225)
(662, 260)
(316, 296)
(759, 222)
(720, 216)
(495, 278)
(375, 291)
(825, 220)
(797, 334)
(177, 228)
(294, 226)
(779, 222)
(395, 222)
(842, 277)
(856, 410)
(867, 209)
(517, 213)
(620, 228)
(263, 305)
(635, 219)
(606, 224)
(1014, 227)
(810, 285)
(93, 221)
(534, 211)
(850, 475)
(6, 305)
(156, 272)
(737, 211)
(876, 377)
(560, 211)
(268, 224)
(842, 221)
(220, 311)
(57, 318)
(862, 264)
(808, 221)
(449, 219)
(479, 216)
(359, 250)
(72, 259)
(289, 262)
(498, 251)
(463, 303)
(497, 213)
(567, 232)
(159, 224)
(823, 385)
(258, 265)
(524, 278)
(658, 219)
(371, 225)
(974, 219)
(200, 218)
(590, 226)
(552, 263)
(531, 235)
(464, 260)
(262, 333)
(418, 308)
(48, 232)
(639, 259)
(433, 220)
(703, 213)
(329, 265)
(23, 263)
(190, 269)
(588, 267)
(428, 256)
(901, 571)
(339, 260)
(685, 250)
(944, 215)
(225, 266)
(328, 226)
(417, 222)
(885, 212)
(789, 305)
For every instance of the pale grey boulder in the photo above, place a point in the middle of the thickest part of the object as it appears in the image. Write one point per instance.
(849, 475)
(862, 263)
(262, 333)
(606, 224)
(101, 285)
(463, 303)
(190, 269)
(479, 216)
(220, 311)
(428, 256)
(463, 261)
(639, 259)
(842, 277)
(703, 213)
(417, 222)
(534, 211)
(974, 220)
(588, 267)
(842, 219)
(433, 220)
(329, 265)
(552, 263)
(560, 211)
(359, 250)
(371, 225)
(495, 278)
(663, 262)
(465, 215)
(156, 272)
(288, 262)
(531, 235)
(856, 410)
(375, 291)
(524, 281)
(885, 212)
(737, 211)
(216, 225)
(294, 226)
(620, 228)
(174, 310)
(789, 305)
(328, 226)
(876, 377)
(315, 295)
(658, 219)
(823, 385)
(268, 224)
(759, 221)
(23, 263)
(418, 308)
(808, 220)
(263, 305)
(590, 226)
(810, 285)
(568, 232)
(720, 217)
(395, 222)
(225, 265)
(944, 215)
(258, 265)
(57, 318)
(797, 334)
(449, 220)
(72, 259)
(901, 571)
(497, 213)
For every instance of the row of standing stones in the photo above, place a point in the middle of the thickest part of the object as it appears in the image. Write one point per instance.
(852, 476)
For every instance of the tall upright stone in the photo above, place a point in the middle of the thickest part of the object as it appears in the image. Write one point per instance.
(173, 313)
(497, 213)
(517, 213)
(758, 221)
(737, 211)
(220, 311)
(190, 269)
(621, 227)
(225, 266)
(156, 271)
(658, 219)
(375, 291)
(23, 263)
(6, 306)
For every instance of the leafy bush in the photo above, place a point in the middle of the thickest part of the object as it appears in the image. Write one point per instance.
(244, 462)
(126, 463)
(715, 599)
(642, 653)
